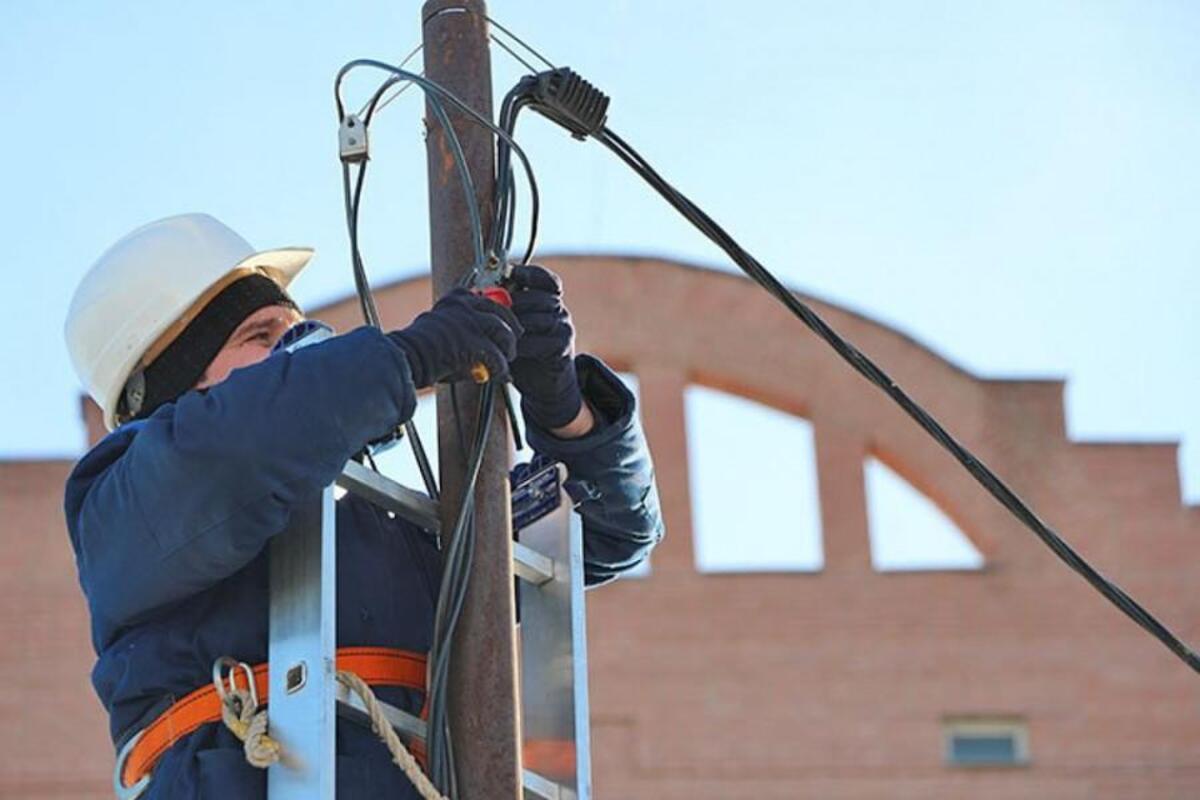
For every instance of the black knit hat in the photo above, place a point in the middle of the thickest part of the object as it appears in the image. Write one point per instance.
(181, 365)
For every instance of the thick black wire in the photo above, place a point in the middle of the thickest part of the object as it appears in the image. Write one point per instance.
(504, 206)
(877, 376)
(430, 88)
(458, 563)
(439, 111)
(457, 570)
(375, 101)
(451, 596)
(504, 227)
(362, 284)
(459, 555)
(370, 312)
(478, 242)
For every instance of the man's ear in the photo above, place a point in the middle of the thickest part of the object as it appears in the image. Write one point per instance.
(129, 404)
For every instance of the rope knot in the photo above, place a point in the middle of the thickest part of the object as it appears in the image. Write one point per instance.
(241, 713)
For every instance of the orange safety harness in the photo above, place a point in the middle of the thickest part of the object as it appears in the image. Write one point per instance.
(377, 666)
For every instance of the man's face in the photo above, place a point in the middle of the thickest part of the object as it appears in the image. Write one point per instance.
(250, 343)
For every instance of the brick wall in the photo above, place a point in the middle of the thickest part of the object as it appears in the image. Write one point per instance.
(53, 733)
(828, 685)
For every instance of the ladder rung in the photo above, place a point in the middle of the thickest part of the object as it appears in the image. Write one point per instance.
(409, 726)
(530, 565)
(351, 707)
(541, 787)
(390, 496)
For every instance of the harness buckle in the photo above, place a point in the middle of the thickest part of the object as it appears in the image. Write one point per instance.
(226, 682)
(122, 791)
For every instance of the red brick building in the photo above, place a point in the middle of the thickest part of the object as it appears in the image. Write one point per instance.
(844, 683)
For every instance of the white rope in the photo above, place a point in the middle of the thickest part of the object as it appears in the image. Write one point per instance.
(241, 714)
(379, 723)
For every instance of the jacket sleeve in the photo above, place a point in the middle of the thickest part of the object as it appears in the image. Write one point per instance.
(204, 482)
(609, 476)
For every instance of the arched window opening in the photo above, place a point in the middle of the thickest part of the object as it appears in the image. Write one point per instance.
(753, 479)
(909, 532)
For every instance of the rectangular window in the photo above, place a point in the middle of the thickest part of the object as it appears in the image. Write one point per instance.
(986, 741)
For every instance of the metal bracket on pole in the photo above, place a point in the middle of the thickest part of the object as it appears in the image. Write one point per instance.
(302, 652)
(554, 687)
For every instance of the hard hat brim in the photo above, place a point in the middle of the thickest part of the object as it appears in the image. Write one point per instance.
(282, 265)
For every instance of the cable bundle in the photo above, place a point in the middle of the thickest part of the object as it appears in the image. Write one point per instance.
(568, 100)
(488, 255)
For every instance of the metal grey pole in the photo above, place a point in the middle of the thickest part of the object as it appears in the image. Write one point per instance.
(483, 684)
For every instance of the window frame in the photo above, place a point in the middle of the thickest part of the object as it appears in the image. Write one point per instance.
(959, 727)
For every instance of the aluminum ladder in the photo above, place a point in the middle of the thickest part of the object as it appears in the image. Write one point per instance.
(306, 699)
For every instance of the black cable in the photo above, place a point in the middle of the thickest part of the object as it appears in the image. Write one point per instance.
(868, 369)
(431, 89)
(503, 226)
(460, 551)
(451, 597)
(459, 554)
(370, 312)
(514, 422)
(456, 572)
(456, 409)
(362, 284)
(506, 195)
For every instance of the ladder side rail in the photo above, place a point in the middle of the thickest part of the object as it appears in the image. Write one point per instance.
(554, 685)
(302, 652)
(579, 661)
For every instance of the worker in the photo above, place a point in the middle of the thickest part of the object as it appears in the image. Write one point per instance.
(215, 440)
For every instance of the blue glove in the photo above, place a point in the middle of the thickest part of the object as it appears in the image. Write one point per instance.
(544, 369)
(460, 331)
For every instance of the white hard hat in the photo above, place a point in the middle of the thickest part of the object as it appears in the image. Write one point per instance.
(144, 288)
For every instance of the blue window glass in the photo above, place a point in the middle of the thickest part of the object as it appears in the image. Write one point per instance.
(983, 749)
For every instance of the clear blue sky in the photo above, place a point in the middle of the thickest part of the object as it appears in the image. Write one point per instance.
(1014, 184)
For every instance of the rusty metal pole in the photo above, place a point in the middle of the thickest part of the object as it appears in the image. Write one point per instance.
(483, 688)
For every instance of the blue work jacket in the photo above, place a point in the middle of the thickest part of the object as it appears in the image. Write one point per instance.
(170, 517)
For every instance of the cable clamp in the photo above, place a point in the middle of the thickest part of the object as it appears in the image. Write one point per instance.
(352, 140)
(494, 272)
(563, 96)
